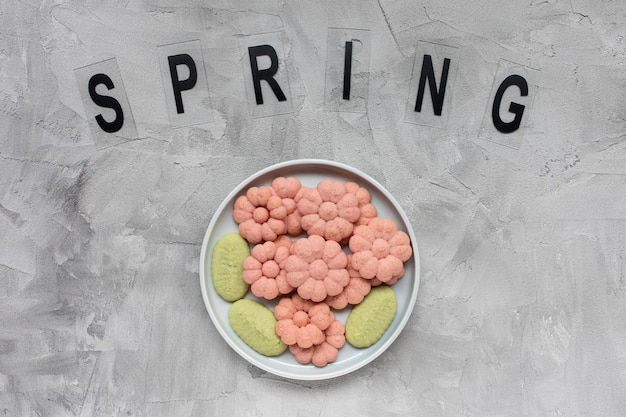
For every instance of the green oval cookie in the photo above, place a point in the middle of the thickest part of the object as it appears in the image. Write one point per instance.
(369, 319)
(229, 252)
(254, 324)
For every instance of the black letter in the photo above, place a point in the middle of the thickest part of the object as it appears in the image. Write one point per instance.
(347, 70)
(436, 95)
(514, 108)
(266, 74)
(106, 101)
(182, 85)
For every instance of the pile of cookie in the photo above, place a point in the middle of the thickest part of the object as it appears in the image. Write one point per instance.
(315, 250)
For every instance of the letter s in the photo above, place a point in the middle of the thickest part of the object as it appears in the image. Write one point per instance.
(106, 101)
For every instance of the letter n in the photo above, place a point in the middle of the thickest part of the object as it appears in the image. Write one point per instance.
(437, 94)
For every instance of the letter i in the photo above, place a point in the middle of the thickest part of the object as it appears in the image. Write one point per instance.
(347, 70)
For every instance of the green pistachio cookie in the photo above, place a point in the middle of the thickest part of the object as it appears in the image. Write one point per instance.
(254, 324)
(369, 320)
(229, 252)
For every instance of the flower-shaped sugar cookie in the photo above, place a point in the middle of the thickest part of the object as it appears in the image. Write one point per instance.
(353, 293)
(263, 269)
(287, 188)
(317, 268)
(367, 209)
(327, 351)
(260, 214)
(328, 210)
(309, 329)
(301, 322)
(380, 250)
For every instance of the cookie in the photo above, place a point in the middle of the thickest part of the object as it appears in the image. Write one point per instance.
(254, 324)
(229, 252)
(369, 320)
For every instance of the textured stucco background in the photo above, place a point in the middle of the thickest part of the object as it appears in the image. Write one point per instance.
(522, 304)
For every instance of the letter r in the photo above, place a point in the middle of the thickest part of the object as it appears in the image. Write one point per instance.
(264, 74)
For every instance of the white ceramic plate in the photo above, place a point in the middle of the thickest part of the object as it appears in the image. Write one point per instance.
(310, 172)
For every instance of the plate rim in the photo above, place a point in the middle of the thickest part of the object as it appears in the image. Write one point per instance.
(204, 251)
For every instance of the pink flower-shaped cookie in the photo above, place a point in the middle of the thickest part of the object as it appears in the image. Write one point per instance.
(354, 292)
(325, 352)
(260, 214)
(263, 269)
(287, 188)
(328, 210)
(317, 268)
(380, 250)
(309, 329)
(367, 209)
(302, 322)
